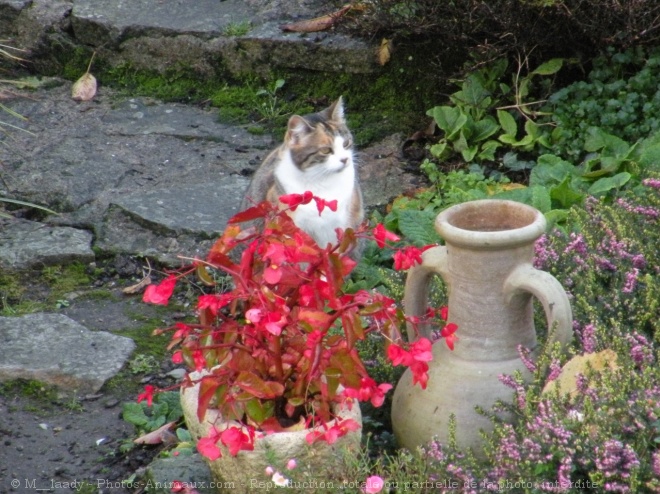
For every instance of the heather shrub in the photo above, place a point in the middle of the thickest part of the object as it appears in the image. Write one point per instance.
(609, 265)
(604, 436)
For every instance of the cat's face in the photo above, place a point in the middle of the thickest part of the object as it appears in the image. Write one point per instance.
(320, 143)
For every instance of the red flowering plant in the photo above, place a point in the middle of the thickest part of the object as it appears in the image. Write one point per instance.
(279, 349)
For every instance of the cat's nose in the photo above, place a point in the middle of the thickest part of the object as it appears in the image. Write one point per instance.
(344, 161)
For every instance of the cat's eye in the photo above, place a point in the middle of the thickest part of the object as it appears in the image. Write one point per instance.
(347, 143)
(325, 151)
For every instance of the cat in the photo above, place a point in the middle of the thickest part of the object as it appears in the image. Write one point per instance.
(316, 155)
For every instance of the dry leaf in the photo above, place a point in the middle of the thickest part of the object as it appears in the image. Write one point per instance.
(130, 290)
(160, 435)
(317, 24)
(385, 51)
(580, 364)
(84, 88)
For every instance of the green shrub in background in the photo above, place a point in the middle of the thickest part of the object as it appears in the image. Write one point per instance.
(621, 97)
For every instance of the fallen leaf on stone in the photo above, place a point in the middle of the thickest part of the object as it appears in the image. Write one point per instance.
(318, 23)
(130, 290)
(159, 436)
(581, 364)
(385, 51)
(84, 88)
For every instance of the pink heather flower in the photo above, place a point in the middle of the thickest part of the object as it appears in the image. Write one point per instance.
(269, 470)
(525, 357)
(555, 370)
(374, 484)
(655, 465)
(291, 464)
(588, 338)
(631, 281)
(652, 182)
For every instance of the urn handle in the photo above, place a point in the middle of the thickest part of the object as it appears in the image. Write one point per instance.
(545, 287)
(415, 300)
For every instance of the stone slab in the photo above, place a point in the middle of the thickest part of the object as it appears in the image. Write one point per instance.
(189, 469)
(54, 349)
(25, 244)
(123, 18)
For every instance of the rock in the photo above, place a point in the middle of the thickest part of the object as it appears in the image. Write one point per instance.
(54, 349)
(190, 469)
(24, 244)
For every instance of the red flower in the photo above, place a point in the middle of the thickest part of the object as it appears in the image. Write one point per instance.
(147, 395)
(322, 203)
(369, 391)
(160, 294)
(448, 332)
(295, 200)
(381, 235)
(408, 257)
(207, 445)
(177, 357)
(235, 439)
(272, 274)
(213, 302)
(339, 429)
(421, 350)
(398, 355)
(419, 371)
(444, 312)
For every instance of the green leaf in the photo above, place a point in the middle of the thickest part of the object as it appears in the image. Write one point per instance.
(555, 216)
(564, 194)
(438, 150)
(541, 198)
(507, 122)
(604, 185)
(450, 119)
(488, 149)
(550, 67)
(550, 170)
(183, 435)
(418, 226)
(483, 129)
(134, 413)
(469, 153)
(597, 139)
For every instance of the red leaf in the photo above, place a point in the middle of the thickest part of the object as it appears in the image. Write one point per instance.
(253, 384)
(261, 210)
(160, 294)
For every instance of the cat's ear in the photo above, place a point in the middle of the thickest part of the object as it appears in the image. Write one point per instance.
(297, 129)
(336, 110)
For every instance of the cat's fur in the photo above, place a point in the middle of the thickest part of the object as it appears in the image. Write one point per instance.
(316, 155)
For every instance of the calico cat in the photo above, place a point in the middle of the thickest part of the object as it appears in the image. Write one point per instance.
(316, 155)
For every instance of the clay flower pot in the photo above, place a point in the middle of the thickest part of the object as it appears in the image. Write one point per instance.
(247, 470)
(487, 266)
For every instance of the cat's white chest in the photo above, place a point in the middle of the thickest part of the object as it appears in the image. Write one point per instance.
(327, 183)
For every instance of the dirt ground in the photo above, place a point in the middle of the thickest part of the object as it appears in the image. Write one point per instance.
(59, 443)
